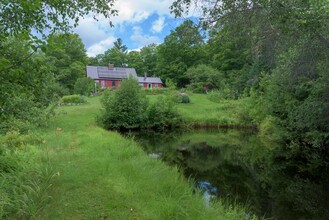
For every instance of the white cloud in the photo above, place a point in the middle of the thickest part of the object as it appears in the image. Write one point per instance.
(142, 39)
(98, 36)
(158, 25)
(136, 10)
(101, 46)
(90, 31)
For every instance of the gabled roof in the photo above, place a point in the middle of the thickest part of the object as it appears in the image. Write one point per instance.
(104, 72)
(99, 72)
(149, 80)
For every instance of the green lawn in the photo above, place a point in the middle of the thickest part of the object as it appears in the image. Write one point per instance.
(101, 175)
(203, 112)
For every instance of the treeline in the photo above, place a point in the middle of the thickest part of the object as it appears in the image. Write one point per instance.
(276, 54)
(273, 53)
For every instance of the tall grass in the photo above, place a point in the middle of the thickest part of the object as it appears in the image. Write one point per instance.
(97, 174)
(24, 185)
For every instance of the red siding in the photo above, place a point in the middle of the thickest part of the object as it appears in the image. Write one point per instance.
(117, 84)
(145, 85)
(108, 84)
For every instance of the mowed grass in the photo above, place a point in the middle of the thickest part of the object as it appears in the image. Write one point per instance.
(205, 113)
(101, 175)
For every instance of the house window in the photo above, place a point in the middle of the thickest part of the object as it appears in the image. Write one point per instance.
(149, 85)
(156, 85)
(102, 83)
(113, 84)
(141, 85)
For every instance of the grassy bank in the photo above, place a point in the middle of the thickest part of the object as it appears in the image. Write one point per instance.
(201, 112)
(98, 174)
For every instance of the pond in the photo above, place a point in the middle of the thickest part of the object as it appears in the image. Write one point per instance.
(239, 167)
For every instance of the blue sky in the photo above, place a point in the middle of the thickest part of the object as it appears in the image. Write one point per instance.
(139, 23)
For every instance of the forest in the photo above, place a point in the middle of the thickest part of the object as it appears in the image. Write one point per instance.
(274, 55)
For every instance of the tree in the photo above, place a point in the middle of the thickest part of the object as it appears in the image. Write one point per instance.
(117, 55)
(67, 54)
(205, 75)
(26, 86)
(19, 17)
(134, 60)
(180, 50)
(290, 41)
(149, 56)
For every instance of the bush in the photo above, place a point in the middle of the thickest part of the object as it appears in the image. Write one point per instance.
(215, 96)
(128, 108)
(197, 88)
(124, 108)
(72, 99)
(154, 91)
(185, 99)
(84, 86)
(22, 114)
(220, 95)
(162, 114)
(271, 131)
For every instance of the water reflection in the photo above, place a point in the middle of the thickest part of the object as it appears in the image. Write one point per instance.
(244, 169)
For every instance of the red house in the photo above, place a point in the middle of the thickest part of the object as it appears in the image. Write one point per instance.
(149, 82)
(111, 77)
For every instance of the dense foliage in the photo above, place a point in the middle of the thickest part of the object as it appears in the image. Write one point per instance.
(85, 86)
(34, 72)
(276, 52)
(32, 78)
(128, 108)
(124, 109)
(19, 17)
(24, 95)
(67, 56)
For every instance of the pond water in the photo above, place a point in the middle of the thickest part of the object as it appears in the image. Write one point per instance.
(237, 166)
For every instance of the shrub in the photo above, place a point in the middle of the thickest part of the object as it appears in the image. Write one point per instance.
(271, 131)
(72, 99)
(127, 108)
(124, 108)
(84, 86)
(185, 99)
(161, 114)
(215, 96)
(222, 94)
(154, 91)
(22, 114)
(196, 88)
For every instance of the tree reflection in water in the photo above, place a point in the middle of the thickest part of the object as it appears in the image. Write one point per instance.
(275, 181)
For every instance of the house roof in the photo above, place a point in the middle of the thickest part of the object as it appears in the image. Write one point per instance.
(99, 72)
(104, 72)
(149, 80)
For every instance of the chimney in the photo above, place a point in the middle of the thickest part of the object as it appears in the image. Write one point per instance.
(111, 66)
(145, 76)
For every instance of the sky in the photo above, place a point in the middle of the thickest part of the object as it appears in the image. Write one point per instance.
(139, 23)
